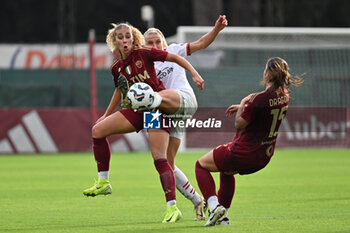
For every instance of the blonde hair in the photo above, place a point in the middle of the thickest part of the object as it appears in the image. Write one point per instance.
(139, 40)
(157, 31)
(278, 74)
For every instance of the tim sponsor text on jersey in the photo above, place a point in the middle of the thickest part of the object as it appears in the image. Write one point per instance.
(140, 78)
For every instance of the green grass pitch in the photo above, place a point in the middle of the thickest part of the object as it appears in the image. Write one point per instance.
(301, 190)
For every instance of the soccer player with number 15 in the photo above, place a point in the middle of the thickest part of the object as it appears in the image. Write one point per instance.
(257, 121)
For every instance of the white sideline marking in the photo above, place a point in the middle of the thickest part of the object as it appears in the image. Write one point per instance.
(20, 140)
(39, 133)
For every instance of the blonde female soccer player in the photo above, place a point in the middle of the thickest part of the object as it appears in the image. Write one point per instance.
(136, 63)
(179, 98)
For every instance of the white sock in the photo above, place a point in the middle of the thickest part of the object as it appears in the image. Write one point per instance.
(103, 175)
(226, 212)
(157, 100)
(185, 187)
(213, 202)
(171, 203)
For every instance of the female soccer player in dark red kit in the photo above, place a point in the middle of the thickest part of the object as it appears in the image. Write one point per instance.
(136, 64)
(258, 118)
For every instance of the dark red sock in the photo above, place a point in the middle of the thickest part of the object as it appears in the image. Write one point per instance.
(167, 178)
(226, 190)
(205, 182)
(102, 153)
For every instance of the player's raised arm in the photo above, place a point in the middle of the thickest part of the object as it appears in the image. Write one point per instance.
(197, 79)
(241, 123)
(208, 38)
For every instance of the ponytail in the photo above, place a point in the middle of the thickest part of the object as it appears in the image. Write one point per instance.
(276, 73)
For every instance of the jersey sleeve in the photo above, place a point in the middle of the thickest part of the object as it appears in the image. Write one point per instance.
(156, 54)
(179, 49)
(250, 110)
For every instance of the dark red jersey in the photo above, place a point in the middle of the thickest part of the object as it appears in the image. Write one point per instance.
(264, 112)
(139, 67)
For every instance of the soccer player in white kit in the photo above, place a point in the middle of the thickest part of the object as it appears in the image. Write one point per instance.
(179, 98)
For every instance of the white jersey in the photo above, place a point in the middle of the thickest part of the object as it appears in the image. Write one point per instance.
(174, 77)
(171, 74)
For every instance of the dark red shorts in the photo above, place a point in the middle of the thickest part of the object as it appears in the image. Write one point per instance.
(228, 161)
(136, 119)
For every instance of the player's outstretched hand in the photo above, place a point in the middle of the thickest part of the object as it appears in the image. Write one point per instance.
(197, 79)
(221, 22)
(230, 111)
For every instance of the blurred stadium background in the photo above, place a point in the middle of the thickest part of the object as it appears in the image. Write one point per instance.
(45, 68)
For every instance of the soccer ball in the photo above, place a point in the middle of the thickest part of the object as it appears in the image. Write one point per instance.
(140, 96)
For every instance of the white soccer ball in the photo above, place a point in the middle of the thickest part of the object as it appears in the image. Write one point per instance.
(140, 96)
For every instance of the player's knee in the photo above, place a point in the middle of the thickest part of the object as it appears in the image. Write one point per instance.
(206, 164)
(157, 154)
(96, 132)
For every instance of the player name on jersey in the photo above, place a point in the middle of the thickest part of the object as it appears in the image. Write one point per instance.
(278, 101)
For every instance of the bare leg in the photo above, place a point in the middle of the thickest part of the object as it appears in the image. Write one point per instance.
(170, 101)
(173, 147)
(113, 124)
(158, 142)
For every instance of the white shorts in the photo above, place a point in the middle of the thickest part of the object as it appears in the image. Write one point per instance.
(188, 107)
